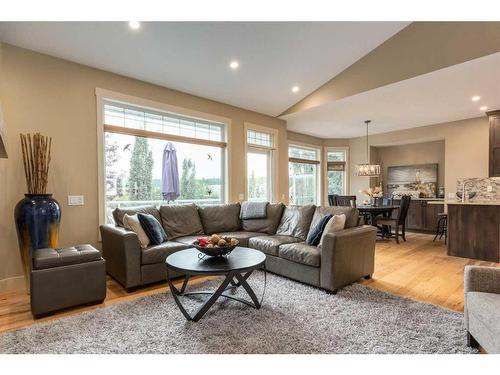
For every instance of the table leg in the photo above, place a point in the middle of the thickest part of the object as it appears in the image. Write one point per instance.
(238, 283)
(248, 289)
(203, 309)
(241, 280)
(175, 292)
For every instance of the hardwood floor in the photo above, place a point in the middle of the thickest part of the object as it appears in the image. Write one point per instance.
(420, 269)
(417, 269)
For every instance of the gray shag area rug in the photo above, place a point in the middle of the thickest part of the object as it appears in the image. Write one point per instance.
(294, 318)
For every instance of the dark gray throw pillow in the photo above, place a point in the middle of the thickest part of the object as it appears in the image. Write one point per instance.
(153, 229)
(314, 235)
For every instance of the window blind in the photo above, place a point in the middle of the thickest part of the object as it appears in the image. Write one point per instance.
(335, 166)
(118, 114)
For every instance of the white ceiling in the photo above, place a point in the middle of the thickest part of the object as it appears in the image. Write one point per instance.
(193, 57)
(440, 96)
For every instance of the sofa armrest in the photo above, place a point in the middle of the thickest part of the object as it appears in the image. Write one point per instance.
(122, 251)
(347, 256)
(482, 279)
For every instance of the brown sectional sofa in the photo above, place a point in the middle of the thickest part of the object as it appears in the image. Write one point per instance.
(344, 257)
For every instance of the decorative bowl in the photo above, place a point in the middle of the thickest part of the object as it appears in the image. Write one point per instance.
(215, 250)
(471, 194)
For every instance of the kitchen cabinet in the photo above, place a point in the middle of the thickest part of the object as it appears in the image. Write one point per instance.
(421, 215)
(494, 157)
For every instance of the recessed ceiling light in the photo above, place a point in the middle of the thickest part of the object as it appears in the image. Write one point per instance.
(475, 98)
(483, 108)
(134, 25)
(295, 89)
(234, 64)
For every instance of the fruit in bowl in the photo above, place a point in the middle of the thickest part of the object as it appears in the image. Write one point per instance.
(216, 245)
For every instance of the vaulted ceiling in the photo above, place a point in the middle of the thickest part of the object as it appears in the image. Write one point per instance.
(397, 74)
(194, 57)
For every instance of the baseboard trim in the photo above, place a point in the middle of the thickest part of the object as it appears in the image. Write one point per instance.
(12, 284)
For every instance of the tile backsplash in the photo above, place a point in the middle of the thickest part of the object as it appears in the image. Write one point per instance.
(480, 186)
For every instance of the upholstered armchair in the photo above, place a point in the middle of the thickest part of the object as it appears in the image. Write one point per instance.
(482, 307)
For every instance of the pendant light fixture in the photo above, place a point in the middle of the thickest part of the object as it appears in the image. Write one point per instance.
(367, 169)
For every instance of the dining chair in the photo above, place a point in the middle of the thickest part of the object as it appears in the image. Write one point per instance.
(383, 201)
(331, 199)
(345, 200)
(396, 223)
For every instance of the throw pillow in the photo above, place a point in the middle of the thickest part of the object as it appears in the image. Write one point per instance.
(315, 233)
(131, 222)
(153, 228)
(335, 224)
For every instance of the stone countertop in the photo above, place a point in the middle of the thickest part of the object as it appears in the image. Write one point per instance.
(470, 202)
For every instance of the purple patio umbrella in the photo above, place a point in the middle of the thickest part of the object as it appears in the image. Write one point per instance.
(170, 174)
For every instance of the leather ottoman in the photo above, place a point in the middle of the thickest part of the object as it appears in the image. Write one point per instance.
(66, 277)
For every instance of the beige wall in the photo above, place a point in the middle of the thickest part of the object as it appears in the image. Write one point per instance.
(466, 149)
(411, 154)
(303, 139)
(57, 98)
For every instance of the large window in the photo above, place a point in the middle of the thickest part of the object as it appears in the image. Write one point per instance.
(134, 144)
(337, 170)
(260, 165)
(303, 175)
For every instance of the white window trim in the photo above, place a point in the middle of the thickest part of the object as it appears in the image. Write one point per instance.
(319, 177)
(274, 157)
(325, 171)
(102, 95)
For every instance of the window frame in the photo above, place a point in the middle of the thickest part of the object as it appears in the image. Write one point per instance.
(318, 162)
(346, 187)
(273, 157)
(104, 96)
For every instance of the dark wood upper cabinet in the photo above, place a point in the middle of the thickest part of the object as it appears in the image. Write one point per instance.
(494, 118)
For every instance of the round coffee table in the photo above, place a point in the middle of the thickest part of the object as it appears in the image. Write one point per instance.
(236, 267)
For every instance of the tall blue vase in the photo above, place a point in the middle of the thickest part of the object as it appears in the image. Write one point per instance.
(37, 222)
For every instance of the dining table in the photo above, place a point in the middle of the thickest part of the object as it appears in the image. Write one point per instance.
(373, 211)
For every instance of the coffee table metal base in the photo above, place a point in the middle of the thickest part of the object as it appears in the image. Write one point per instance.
(232, 281)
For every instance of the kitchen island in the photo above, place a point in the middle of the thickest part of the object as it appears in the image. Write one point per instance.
(474, 229)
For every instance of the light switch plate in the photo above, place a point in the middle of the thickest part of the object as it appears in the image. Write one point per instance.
(451, 195)
(76, 200)
(241, 196)
(489, 188)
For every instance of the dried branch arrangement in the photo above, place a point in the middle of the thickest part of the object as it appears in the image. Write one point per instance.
(36, 159)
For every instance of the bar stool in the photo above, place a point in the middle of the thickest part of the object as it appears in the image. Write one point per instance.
(442, 227)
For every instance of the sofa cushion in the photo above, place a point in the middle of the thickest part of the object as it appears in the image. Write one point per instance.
(301, 253)
(180, 220)
(221, 218)
(119, 213)
(270, 244)
(485, 307)
(188, 239)
(153, 229)
(335, 224)
(267, 225)
(241, 236)
(351, 214)
(158, 253)
(296, 221)
(316, 231)
(131, 222)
